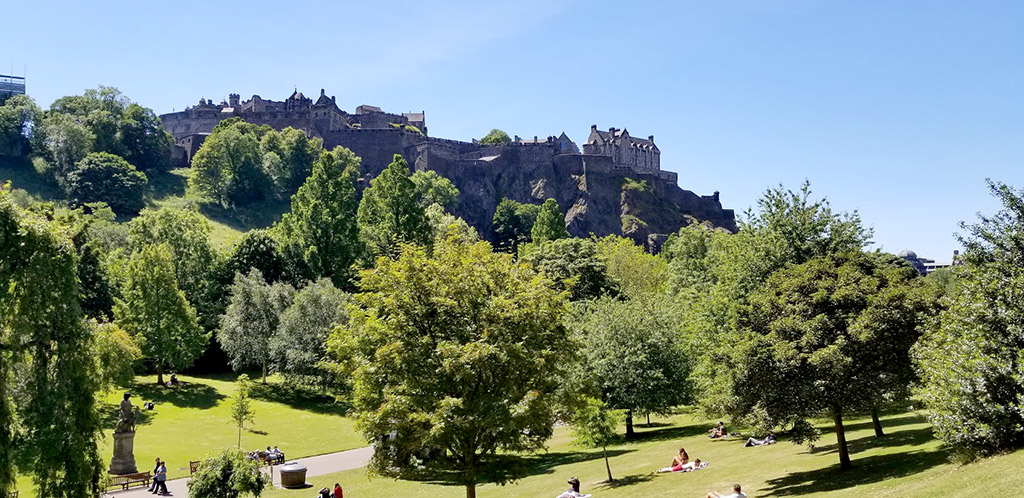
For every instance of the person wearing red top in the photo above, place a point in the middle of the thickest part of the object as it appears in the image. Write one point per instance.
(337, 491)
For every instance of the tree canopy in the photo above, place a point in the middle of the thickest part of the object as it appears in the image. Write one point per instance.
(550, 224)
(496, 137)
(390, 213)
(104, 177)
(512, 224)
(251, 320)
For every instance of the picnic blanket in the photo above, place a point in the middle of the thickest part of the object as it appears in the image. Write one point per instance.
(687, 469)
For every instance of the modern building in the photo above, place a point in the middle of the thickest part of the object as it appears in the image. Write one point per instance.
(11, 85)
(924, 266)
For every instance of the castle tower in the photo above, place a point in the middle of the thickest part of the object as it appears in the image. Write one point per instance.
(233, 100)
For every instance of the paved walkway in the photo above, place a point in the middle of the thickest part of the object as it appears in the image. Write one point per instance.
(315, 465)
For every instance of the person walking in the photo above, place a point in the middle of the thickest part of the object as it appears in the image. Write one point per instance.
(161, 478)
(152, 485)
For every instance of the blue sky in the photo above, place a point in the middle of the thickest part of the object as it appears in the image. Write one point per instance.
(897, 109)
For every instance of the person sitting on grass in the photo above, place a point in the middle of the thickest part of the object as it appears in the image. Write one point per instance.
(717, 431)
(684, 467)
(325, 492)
(736, 493)
(338, 493)
(769, 439)
(681, 458)
(574, 490)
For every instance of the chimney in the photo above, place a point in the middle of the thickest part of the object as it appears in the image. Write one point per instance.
(333, 99)
(322, 92)
(593, 128)
(651, 138)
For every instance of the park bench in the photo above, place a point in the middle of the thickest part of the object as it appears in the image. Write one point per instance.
(193, 466)
(127, 480)
(273, 460)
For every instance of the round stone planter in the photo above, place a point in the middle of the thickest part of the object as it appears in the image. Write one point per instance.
(293, 475)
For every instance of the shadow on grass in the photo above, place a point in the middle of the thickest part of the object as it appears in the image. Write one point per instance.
(22, 175)
(910, 437)
(300, 398)
(188, 395)
(865, 471)
(508, 468)
(163, 184)
(626, 481)
(666, 433)
(258, 215)
(907, 419)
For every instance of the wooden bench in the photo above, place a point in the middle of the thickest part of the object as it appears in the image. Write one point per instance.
(127, 480)
(193, 466)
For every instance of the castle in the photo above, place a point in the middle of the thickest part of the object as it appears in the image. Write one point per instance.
(525, 170)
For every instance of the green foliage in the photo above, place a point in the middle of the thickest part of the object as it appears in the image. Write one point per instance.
(156, 313)
(298, 348)
(631, 355)
(390, 213)
(296, 154)
(432, 188)
(594, 426)
(258, 250)
(831, 335)
(970, 359)
(227, 475)
(636, 271)
(142, 140)
(251, 319)
(18, 117)
(629, 184)
(321, 235)
(496, 137)
(241, 408)
(115, 352)
(460, 352)
(103, 177)
(48, 420)
(550, 224)
(573, 265)
(228, 169)
(512, 224)
(445, 227)
(65, 141)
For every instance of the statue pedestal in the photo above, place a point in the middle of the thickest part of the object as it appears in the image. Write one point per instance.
(123, 461)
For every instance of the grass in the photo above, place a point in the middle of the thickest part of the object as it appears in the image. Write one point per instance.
(907, 462)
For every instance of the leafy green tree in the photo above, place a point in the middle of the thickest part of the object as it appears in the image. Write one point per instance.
(969, 360)
(432, 188)
(550, 224)
(460, 353)
(156, 313)
(115, 352)
(390, 213)
(18, 116)
(227, 475)
(66, 142)
(321, 231)
(594, 426)
(829, 336)
(636, 271)
(142, 140)
(103, 177)
(445, 226)
(241, 407)
(251, 319)
(228, 169)
(632, 358)
(288, 157)
(298, 348)
(259, 250)
(512, 224)
(496, 137)
(48, 417)
(573, 265)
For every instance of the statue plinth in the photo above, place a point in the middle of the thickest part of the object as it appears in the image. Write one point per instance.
(123, 461)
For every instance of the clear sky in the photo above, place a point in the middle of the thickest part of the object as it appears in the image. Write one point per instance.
(897, 109)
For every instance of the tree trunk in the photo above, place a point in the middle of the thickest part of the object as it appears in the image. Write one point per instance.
(239, 437)
(648, 420)
(606, 465)
(159, 374)
(629, 423)
(844, 451)
(877, 423)
(471, 491)
(264, 371)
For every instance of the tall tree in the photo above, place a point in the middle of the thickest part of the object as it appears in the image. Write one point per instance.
(636, 271)
(550, 224)
(390, 214)
(298, 348)
(241, 406)
(251, 319)
(114, 351)
(228, 169)
(156, 312)
(460, 353)
(594, 426)
(259, 250)
(432, 188)
(573, 265)
(830, 336)
(142, 140)
(512, 224)
(66, 142)
(321, 229)
(18, 117)
(103, 177)
(48, 420)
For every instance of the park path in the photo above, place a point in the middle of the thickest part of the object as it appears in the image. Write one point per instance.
(315, 465)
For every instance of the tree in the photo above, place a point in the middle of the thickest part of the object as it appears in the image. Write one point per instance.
(460, 354)
(829, 336)
(969, 360)
(632, 358)
(390, 213)
(496, 137)
(550, 224)
(156, 312)
(227, 475)
(241, 409)
(103, 177)
(594, 425)
(228, 169)
(251, 319)
(512, 224)
(259, 250)
(48, 417)
(114, 351)
(19, 116)
(321, 230)
(66, 142)
(635, 271)
(573, 265)
(298, 348)
(432, 188)
(444, 226)
(142, 140)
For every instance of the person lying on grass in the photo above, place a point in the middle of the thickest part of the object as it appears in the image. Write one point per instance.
(769, 439)
(736, 493)
(685, 467)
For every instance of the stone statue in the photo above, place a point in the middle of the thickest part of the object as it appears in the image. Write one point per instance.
(123, 461)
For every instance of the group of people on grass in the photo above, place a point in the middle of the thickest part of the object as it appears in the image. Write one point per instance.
(326, 492)
(719, 431)
(159, 483)
(271, 456)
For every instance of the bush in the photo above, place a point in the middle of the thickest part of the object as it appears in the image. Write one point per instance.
(103, 177)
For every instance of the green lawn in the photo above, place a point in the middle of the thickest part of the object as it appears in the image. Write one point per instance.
(907, 462)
